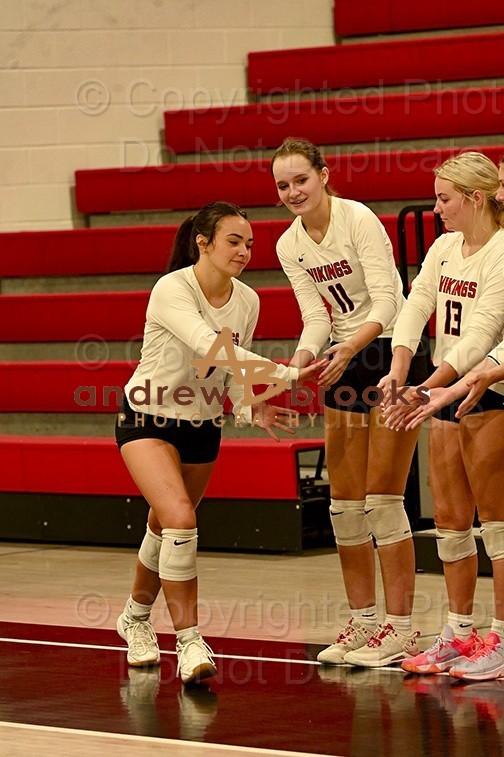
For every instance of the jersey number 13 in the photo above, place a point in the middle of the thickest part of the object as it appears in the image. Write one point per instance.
(453, 317)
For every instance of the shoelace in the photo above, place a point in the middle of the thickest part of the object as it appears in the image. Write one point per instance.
(142, 635)
(380, 634)
(200, 643)
(479, 641)
(348, 632)
(485, 649)
(436, 646)
(440, 642)
(386, 632)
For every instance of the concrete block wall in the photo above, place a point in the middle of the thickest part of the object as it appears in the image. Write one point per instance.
(84, 83)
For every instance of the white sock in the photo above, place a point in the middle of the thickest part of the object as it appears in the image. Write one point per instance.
(461, 625)
(135, 611)
(498, 628)
(367, 616)
(401, 623)
(187, 634)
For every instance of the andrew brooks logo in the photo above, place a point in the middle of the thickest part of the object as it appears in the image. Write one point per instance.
(248, 373)
(245, 372)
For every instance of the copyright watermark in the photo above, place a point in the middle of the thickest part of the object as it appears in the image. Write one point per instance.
(93, 610)
(93, 97)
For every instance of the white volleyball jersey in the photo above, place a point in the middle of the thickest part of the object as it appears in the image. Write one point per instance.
(181, 325)
(468, 297)
(352, 270)
(497, 357)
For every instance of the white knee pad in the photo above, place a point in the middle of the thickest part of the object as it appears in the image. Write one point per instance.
(387, 518)
(177, 558)
(455, 545)
(349, 522)
(148, 554)
(492, 533)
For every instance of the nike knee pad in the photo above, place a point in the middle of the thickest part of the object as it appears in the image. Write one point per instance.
(148, 554)
(387, 518)
(492, 534)
(177, 558)
(349, 522)
(455, 545)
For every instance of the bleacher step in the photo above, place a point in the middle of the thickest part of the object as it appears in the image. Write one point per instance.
(78, 490)
(97, 283)
(97, 350)
(118, 282)
(102, 425)
(389, 89)
(162, 217)
(94, 349)
(421, 34)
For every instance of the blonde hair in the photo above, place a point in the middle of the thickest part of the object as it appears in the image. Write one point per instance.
(471, 171)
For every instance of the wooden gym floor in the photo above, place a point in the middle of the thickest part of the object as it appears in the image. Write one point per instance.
(65, 687)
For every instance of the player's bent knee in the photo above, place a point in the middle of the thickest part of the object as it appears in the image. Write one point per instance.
(387, 518)
(492, 534)
(148, 554)
(177, 558)
(349, 522)
(455, 545)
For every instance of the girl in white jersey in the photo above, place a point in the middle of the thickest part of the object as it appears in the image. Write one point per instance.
(337, 251)
(482, 450)
(169, 427)
(463, 279)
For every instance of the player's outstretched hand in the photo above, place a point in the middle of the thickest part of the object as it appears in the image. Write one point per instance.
(338, 357)
(478, 382)
(270, 417)
(311, 371)
(386, 384)
(407, 399)
(439, 397)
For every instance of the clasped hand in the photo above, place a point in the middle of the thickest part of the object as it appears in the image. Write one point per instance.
(400, 403)
(270, 417)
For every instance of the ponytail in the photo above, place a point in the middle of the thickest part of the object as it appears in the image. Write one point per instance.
(185, 250)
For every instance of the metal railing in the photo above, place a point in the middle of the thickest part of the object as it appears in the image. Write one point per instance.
(418, 211)
(412, 495)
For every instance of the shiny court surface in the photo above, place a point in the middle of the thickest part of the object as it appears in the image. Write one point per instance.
(66, 690)
(69, 691)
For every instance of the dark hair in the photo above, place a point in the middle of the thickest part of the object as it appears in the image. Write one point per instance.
(185, 251)
(299, 146)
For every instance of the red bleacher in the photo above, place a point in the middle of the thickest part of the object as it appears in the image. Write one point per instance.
(77, 252)
(124, 250)
(119, 316)
(343, 120)
(385, 175)
(79, 387)
(78, 467)
(59, 386)
(93, 466)
(377, 64)
(387, 16)
(85, 251)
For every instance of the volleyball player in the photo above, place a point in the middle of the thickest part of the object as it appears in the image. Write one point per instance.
(169, 427)
(462, 279)
(337, 251)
